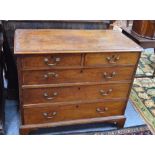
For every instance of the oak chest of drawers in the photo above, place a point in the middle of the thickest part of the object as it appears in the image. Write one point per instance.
(73, 76)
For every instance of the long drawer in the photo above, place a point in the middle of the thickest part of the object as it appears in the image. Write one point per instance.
(77, 75)
(116, 58)
(75, 93)
(56, 113)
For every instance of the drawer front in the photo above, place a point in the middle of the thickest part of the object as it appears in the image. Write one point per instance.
(77, 75)
(50, 61)
(74, 93)
(111, 58)
(56, 113)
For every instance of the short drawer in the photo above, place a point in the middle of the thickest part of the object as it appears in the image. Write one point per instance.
(75, 93)
(56, 113)
(50, 61)
(111, 58)
(77, 75)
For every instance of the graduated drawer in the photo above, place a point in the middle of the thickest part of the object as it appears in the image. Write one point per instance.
(76, 75)
(50, 61)
(75, 93)
(56, 113)
(117, 58)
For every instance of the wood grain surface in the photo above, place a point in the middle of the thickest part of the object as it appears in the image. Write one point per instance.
(57, 113)
(75, 93)
(58, 41)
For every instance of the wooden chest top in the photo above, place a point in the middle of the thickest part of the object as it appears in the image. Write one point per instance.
(40, 41)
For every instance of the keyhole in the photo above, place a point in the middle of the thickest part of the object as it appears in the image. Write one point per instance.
(81, 71)
(77, 106)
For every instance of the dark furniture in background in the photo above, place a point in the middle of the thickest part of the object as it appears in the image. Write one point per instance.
(141, 40)
(1, 87)
(9, 28)
(144, 28)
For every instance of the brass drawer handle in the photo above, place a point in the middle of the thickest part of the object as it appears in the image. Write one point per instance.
(50, 74)
(56, 60)
(105, 93)
(109, 76)
(99, 110)
(52, 97)
(49, 115)
(113, 59)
